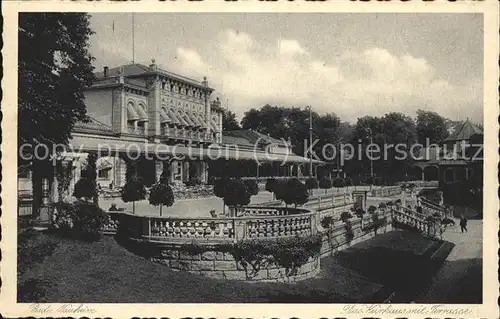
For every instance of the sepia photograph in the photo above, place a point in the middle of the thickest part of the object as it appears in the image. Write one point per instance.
(248, 157)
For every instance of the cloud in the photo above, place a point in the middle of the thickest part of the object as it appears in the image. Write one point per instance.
(251, 72)
(290, 47)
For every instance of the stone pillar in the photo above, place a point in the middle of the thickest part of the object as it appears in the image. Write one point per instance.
(360, 198)
(173, 170)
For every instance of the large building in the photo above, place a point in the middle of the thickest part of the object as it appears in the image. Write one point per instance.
(153, 123)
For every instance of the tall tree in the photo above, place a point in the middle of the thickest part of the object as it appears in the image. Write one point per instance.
(229, 121)
(54, 68)
(432, 126)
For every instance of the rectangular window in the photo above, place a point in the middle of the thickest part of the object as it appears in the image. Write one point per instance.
(103, 173)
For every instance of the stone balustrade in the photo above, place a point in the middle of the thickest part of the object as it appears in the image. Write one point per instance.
(430, 208)
(386, 191)
(252, 222)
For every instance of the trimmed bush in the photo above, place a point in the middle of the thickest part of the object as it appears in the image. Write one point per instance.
(133, 190)
(270, 183)
(326, 222)
(311, 183)
(338, 182)
(236, 193)
(372, 209)
(160, 195)
(252, 186)
(294, 192)
(325, 183)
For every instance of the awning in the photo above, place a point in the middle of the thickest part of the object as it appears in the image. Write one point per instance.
(164, 118)
(143, 117)
(131, 113)
(202, 121)
(194, 119)
(214, 126)
(90, 143)
(188, 120)
(175, 119)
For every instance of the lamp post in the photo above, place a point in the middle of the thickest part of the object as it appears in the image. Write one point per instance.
(310, 140)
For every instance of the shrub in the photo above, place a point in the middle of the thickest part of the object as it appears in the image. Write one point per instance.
(326, 221)
(89, 221)
(338, 182)
(161, 194)
(348, 181)
(81, 219)
(382, 205)
(325, 183)
(220, 190)
(372, 209)
(377, 181)
(311, 183)
(133, 190)
(345, 216)
(294, 192)
(252, 186)
(64, 219)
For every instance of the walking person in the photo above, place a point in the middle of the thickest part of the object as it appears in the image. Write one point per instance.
(463, 223)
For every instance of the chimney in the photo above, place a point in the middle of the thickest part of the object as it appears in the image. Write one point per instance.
(106, 71)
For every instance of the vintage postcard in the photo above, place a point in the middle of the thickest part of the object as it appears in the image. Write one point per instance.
(250, 159)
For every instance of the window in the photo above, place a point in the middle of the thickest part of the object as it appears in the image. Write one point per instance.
(103, 173)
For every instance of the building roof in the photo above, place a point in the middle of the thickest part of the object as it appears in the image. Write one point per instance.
(93, 125)
(137, 69)
(463, 132)
(232, 140)
(253, 137)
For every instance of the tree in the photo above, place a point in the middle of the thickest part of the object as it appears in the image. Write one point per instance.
(133, 190)
(229, 122)
(51, 82)
(311, 183)
(325, 183)
(161, 194)
(432, 126)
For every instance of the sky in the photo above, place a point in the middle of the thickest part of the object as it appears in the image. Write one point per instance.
(351, 64)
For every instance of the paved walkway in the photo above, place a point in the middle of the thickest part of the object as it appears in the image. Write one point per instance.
(460, 278)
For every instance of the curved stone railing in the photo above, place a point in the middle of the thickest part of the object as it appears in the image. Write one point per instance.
(198, 245)
(256, 222)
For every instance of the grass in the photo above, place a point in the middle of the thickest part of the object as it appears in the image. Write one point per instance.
(54, 269)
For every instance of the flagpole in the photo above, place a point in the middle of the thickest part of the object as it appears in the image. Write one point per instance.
(133, 38)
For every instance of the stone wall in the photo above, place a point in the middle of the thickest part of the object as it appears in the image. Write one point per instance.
(219, 265)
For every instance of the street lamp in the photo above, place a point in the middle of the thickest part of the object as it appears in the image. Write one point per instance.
(369, 130)
(310, 140)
